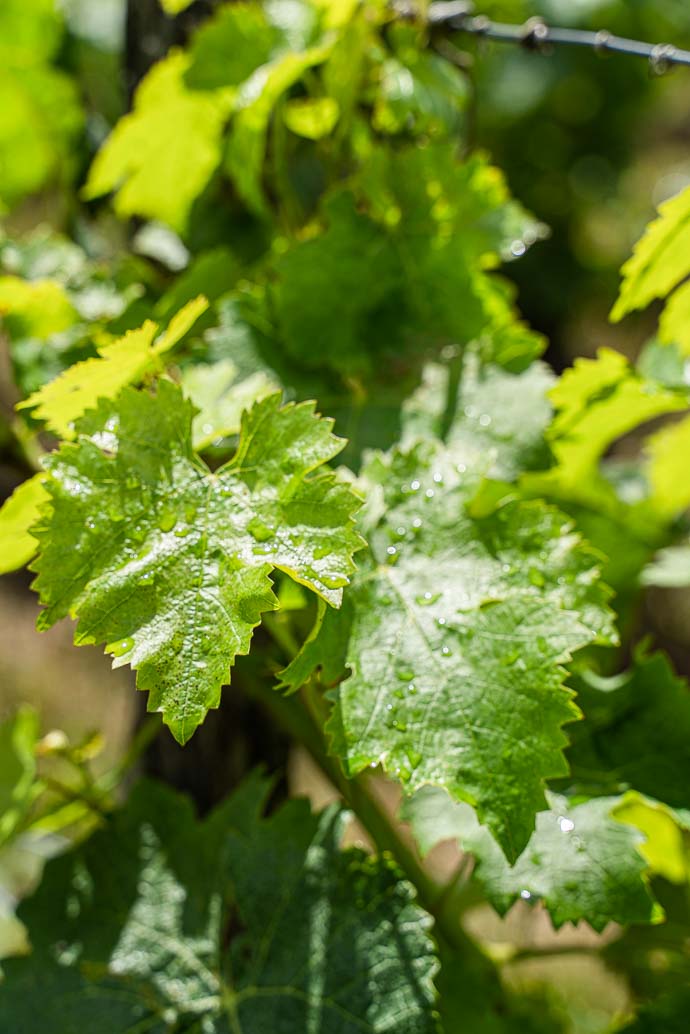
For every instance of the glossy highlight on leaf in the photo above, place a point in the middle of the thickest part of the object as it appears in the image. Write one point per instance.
(167, 563)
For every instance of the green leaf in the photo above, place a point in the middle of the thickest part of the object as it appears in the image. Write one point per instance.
(311, 117)
(637, 731)
(230, 46)
(666, 469)
(496, 419)
(246, 148)
(160, 157)
(455, 632)
(674, 323)
(221, 397)
(163, 922)
(40, 113)
(34, 308)
(126, 361)
(18, 737)
(173, 7)
(17, 515)
(664, 847)
(167, 563)
(580, 861)
(660, 259)
(389, 231)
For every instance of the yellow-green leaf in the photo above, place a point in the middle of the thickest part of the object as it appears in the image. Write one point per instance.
(122, 362)
(313, 117)
(160, 157)
(660, 260)
(17, 515)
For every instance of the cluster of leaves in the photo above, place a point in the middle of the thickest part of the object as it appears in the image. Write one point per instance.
(318, 234)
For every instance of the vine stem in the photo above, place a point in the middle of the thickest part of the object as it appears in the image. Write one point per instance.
(302, 717)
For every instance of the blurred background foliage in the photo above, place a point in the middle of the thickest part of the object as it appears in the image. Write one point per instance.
(588, 145)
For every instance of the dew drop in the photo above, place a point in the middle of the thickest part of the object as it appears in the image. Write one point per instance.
(399, 725)
(392, 551)
(412, 689)
(565, 825)
(440, 621)
(427, 598)
(484, 420)
(445, 651)
(417, 523)
(182, 532)
(261, 550)
(438, 478)
(518, 249)
(90, 523)
(415, 486)
(405, 675)
(525, 895)
(507, 568)
(146, 579)
(461, 468)
(429, 493)
(121, 647)
(200, 665)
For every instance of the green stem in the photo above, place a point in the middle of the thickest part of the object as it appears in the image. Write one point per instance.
(304, 722)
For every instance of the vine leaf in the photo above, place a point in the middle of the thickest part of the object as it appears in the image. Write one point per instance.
(169, 564)
(160, 157)
(17, 515)
(580, 860)
(660, 258)
(125, 361)
(163, 921)
(455, 631)
(637, 731)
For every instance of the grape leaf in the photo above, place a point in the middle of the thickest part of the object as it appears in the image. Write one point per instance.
(237, 40)
(636, 733)
(494, 414)
(221, 397)
(246, 147)
(666, 469)
(35, 308)
(674, 322)
(167, 921)
(455, 631)
(17, 515)
(160, 157)
(664, 847)
(660, 258)
(580, 861)
(126, 361)
(168, 563)
(18, 788)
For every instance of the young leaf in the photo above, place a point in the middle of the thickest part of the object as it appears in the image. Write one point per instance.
(580, 861)
(126, 361)
(455, 632)
(17, 515)
(221, 397)
(160, 157)
(167, 563)
(165, 922)
(666, 469)
(660, 259)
